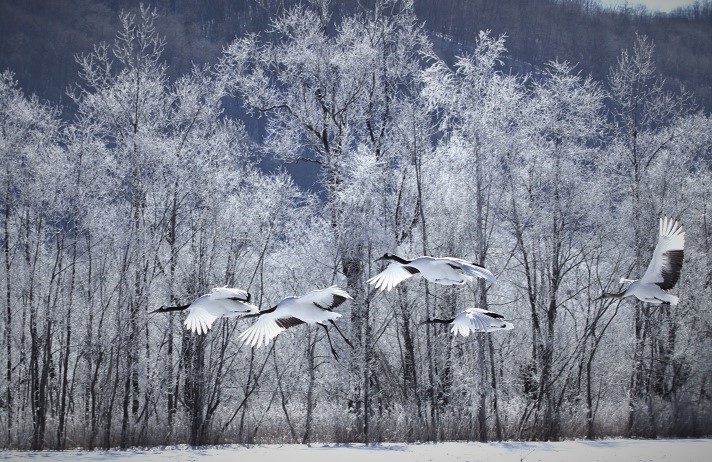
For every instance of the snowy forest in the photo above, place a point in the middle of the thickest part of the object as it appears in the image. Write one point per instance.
(154, 192)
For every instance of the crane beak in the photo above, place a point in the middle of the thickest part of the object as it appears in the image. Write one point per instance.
(606, 295)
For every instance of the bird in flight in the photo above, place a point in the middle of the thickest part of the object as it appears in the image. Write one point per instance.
(443, 270)
(473, 320)
(221, 302)
(663, 270)
(315, 307)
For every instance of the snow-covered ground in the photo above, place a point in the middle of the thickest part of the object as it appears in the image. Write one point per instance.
(613, 450)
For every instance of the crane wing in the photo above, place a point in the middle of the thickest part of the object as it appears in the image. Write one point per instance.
(233, 308)
(390, 277)
(219, 293)
(473, 269)
(468, 321)
(328, 298)
(230, 302)
(496, 321)
(199, 319)
(263, 330)
(478, 320)
(666, 264)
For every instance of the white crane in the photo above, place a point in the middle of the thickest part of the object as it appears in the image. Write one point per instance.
(663, 271)
(473, 320)
(221, 302)
(444, 270)
(314, 307)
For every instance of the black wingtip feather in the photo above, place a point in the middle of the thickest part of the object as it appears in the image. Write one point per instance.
(436, 321)
(240, 299)
(671, 270)
(494, 315)
(335, 302)
(338, 300)
(286, 323)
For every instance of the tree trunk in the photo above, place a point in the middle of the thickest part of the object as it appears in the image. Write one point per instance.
(193, 388)
(8, 312)
(482, 404)
(171, 402)
(310, 390)
(411, 397)
(637, 379)
(65, 360)
(39, 347)
(367, 355)
(482, 246)
(107, 414)
(495, 402)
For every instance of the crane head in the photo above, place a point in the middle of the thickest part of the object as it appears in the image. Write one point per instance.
(165, 308)
(386, 256)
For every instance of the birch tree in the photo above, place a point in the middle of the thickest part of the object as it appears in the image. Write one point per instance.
(327, 88)
(564, 116)
(642, 108)
(31, 214)
(478, 105)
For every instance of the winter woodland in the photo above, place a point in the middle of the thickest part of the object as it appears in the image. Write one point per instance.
(152, 194)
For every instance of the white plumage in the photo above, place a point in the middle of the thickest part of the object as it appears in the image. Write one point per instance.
(663, 270)
(474, 320)
(221, 302)
(314, 307)
(443, 270)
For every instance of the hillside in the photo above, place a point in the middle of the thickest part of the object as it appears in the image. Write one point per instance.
(39, 38)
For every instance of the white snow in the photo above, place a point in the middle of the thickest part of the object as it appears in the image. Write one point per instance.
(610, 450)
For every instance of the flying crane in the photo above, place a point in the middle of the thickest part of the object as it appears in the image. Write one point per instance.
(473, 320)
(221, 302)
(443, 270)
(663, 270)
(315, 307)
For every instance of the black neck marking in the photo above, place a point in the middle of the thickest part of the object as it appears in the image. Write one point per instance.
(396, 258)
(165, 309)
(254, 315)
(618, 295)
(439, 321)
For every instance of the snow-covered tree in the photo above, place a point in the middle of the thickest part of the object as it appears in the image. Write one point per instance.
(328, 91)
(644, 132)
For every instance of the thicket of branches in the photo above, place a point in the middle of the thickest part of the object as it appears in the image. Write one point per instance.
(152, 196)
